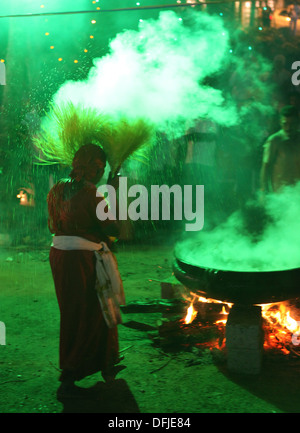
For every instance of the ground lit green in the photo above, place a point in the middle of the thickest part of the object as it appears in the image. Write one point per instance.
(41, 54)
(154, 380)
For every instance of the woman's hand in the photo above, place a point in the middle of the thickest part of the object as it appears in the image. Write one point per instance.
(113, 179)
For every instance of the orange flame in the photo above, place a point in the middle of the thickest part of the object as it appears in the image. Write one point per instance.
(279, 314)
(282, 330)
(282, 326)
(222, 321)
(191, 314)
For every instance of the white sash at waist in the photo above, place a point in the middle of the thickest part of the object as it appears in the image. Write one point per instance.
(74, 243)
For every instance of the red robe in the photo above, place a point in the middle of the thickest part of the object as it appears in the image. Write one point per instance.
(87, 345)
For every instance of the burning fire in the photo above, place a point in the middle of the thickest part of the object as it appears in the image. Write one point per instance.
(282, 331)
(277, 314)
(192, 313)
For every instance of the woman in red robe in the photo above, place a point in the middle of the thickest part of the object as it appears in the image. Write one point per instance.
(87, 344)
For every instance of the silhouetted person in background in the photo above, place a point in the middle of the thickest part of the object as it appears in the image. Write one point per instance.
(294, 12)
(265, 15)
(281, 157)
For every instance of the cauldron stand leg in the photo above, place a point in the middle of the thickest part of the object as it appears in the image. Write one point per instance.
(244, 339)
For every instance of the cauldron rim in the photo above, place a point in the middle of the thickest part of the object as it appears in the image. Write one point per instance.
(251, 272)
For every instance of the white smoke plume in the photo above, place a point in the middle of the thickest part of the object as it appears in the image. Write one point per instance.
(157, 72)
(230, 246)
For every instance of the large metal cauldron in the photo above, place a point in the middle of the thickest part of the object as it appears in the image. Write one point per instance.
(239, 287)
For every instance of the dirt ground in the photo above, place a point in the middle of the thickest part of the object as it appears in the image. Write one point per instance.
(155, 380)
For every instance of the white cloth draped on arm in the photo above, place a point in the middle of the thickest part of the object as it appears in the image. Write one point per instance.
(109, 284)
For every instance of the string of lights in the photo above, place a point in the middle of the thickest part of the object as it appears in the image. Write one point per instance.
(129, 9)
(81, 54)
